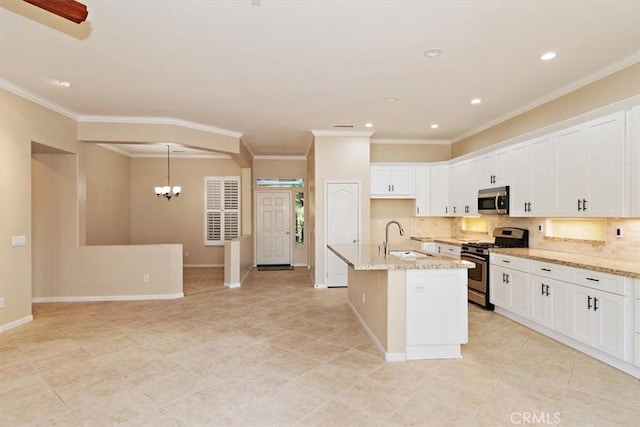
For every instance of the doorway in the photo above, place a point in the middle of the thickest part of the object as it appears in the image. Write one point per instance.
(273, 228)
(342, 226)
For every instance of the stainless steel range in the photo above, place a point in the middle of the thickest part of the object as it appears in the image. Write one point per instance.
(478, 253)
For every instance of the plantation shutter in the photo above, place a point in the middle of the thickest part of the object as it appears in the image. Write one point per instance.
(222, 209)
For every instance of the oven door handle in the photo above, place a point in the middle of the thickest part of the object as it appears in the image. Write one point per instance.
(479, 258)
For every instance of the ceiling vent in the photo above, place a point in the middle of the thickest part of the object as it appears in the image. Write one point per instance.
(343, 126)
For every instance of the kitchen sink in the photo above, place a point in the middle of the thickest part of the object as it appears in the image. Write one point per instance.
(409, 254)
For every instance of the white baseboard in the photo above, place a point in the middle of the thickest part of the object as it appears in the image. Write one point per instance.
(203, 265)
(233, 285)
(319, 286)
(109, 298)
(389, 357)
(16, 323)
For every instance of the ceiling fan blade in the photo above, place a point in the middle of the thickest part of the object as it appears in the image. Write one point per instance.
(68, 9)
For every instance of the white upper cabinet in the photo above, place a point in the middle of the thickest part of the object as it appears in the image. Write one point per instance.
(422, 206)
(439, 190)
(634, 155)
(491, 170)
(570, 171)
(521, 180)
(532, 181)
(393, 182)
(463, 194)
(590, 168)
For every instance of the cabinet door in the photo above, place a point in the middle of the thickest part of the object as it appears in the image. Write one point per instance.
(483, 170)
(609, 313)
(403, 181)
(518, 284)
(430, 296)
(422, 192)
(605, 144)
(520, 182)
(542, 176)
(455, 190)
(559, 319)
(439, 190)
(582, 327)
(502, 169)
(499, 290)
(571, 154)
(380, 181)
(540, 302)
(634, 147)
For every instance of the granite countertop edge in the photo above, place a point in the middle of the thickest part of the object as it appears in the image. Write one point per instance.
(366, 257)
(587, 262)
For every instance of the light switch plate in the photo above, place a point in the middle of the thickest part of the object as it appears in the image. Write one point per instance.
(1, 302)
(18, 240)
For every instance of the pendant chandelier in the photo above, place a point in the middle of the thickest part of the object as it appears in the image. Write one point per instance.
(166, 191)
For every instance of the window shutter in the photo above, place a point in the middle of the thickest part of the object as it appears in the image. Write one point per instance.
(222, 209)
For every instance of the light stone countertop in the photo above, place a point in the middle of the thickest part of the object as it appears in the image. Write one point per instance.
(448, 240)
(588, 262)
(367, 257)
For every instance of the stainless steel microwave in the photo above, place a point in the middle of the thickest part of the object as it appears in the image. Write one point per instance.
(493, 201)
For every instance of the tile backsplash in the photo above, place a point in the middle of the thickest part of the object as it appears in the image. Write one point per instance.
(626, 247)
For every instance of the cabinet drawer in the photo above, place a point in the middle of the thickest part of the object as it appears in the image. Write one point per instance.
(515, 263)
(602, 281)
(637, 350)
(637, 291)
(637, 316)
(546, 269)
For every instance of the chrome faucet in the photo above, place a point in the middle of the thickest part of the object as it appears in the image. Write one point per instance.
(385, 244)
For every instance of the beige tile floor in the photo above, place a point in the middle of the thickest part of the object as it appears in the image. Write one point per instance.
(278, 352)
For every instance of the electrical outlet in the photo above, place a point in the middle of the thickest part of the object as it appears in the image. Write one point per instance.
(619, 233)
(1, 302)
(186, 254)
(540, 228)
(147, 278)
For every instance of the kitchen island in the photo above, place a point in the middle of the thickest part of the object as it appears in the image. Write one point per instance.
(413, 305)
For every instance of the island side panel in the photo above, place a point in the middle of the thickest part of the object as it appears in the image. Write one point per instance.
(367, 294)
(396, 315)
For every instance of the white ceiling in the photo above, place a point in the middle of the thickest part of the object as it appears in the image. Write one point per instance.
(275, 70)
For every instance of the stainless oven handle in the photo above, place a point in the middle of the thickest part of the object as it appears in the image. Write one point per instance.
(479, 258)
(497, 207)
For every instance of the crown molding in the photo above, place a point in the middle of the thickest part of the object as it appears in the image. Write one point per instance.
(23, 93)
(267, 157)
(341, 133)
(395, 141)
(174, 155)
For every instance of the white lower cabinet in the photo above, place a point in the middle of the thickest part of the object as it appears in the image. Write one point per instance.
(436, 313)
(600, 310)
(510, 289)
(448, 250)
(598, 319)
(550, 303)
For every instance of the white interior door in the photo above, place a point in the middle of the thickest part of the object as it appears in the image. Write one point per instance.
(273, 228)
(342, 226)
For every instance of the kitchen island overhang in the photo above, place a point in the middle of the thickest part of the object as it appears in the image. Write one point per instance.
(411, 308)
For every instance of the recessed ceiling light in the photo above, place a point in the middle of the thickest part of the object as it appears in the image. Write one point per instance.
(435, 126)
(368, 125)
(392, 99)
(547, 56)
(432, 53)
(64, 83)
(476, 101)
